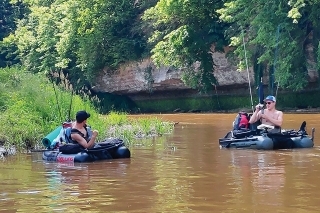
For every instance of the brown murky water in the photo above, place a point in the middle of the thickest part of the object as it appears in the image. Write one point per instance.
(183, 172)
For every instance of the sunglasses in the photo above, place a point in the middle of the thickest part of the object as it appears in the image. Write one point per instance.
(269, 103)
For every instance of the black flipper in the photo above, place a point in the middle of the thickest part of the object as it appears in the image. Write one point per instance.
(303, 126)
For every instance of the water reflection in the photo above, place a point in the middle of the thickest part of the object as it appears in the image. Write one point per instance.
(80, 186)
(182, 172)
(260, 175)
(273, 181)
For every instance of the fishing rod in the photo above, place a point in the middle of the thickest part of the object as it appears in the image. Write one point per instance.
(56, 95)
(69, 111)
(215, 86)
(261, 92)
(276, 57)
(245, 55)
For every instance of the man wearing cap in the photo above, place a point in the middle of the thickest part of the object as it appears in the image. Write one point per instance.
(79, 131)
(268, 116)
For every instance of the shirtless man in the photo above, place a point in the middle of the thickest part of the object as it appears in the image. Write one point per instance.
(269, 116)
(79, 131)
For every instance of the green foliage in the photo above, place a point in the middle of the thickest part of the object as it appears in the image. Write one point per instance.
(299, 8)
(183, 33)
(82, 37)
(161, 127)
(318, 57)
(273, 35)
(145, 124)
(299, 100)
(9, 13)
(31, 107)
(138, 128)
(115, 118)
(79, 37)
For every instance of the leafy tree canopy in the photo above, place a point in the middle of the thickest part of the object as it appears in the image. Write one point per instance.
(276, 33)
(8, 14)
(183, 33)
(79, 37)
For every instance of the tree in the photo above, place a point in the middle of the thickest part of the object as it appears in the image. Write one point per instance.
(276, 33)
(182, 33)
(9, 13)
(79, 37)
(300, 10)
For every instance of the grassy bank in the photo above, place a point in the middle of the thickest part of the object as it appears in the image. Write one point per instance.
(31, 107)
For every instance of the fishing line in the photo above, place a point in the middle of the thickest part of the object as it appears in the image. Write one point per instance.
(245, 55)
(55, 92)
(215, 86)
(276, 57)
(69, 118)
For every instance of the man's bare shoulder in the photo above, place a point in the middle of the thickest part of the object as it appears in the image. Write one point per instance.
(279, 112)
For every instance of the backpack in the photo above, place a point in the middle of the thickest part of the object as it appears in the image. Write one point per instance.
(72, 147)
(241, 121)
(67, 134)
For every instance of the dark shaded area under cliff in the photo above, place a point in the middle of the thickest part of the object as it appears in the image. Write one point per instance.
(221, 99)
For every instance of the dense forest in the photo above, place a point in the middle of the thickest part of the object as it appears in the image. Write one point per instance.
(81, 37)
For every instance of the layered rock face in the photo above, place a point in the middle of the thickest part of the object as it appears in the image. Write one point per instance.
(143, 77)
(139, 79)
(136, 77)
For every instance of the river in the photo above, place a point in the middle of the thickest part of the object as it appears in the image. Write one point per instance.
(182, 172)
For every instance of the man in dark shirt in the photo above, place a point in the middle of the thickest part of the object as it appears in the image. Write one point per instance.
(79, 131)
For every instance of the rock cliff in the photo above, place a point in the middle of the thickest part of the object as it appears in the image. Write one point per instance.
(142, 78)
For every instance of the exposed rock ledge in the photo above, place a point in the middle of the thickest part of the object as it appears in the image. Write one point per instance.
(142, 78)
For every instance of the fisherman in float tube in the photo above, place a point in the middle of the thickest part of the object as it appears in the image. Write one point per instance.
(80, 133)
(269, 116)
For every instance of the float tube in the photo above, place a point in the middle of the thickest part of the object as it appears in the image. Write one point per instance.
(109, 149)
(59, 151)
(265, 139)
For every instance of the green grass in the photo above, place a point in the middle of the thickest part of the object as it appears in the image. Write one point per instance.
(31, 107)
(133, 129)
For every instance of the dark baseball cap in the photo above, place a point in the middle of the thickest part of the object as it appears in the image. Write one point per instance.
(82, 115)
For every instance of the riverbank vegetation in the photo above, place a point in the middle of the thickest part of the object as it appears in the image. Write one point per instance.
(31, 106)
(83, 39)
